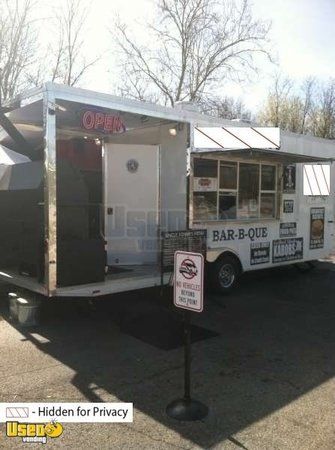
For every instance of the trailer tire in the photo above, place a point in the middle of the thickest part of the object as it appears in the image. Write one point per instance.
(225, 273)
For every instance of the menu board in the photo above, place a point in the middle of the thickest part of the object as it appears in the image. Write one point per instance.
(189, 241)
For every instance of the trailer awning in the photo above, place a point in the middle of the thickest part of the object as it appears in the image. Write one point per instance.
(256, 143)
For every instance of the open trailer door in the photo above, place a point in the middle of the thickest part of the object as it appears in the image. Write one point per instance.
(132, 202)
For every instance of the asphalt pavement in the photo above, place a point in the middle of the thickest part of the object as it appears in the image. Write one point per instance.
(263, 361)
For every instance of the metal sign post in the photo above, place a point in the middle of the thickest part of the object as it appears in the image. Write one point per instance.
(188, 295)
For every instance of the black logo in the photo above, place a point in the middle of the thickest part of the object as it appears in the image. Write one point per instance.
(188, 269)
(132, 165)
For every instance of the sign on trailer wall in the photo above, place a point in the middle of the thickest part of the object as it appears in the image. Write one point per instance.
(194, 241)
(317, 228)
(288, 206)
(287, 229)
(259, 253)
(289, 176)
(189, 280)
(287, 249)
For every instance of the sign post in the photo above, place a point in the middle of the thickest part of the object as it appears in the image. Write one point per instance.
(188, 295)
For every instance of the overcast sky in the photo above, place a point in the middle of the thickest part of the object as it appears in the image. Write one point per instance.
(302, 35)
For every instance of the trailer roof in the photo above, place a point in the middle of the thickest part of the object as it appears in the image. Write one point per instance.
(294, 146)
(93, 98)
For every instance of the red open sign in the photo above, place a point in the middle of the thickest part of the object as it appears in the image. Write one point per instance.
(99, 121)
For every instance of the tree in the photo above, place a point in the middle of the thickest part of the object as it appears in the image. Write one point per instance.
(274, 112)
(308, 88)
(308, 109)
(65, 61)
(17, 45)
(225, 108)
(323, 116)
(194, 47)
(70, 63)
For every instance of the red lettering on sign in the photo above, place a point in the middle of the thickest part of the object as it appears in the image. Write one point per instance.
(109, 121)
(100, 121)
(88, 120)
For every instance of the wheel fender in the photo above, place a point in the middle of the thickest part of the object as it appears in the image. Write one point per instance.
(213, 255)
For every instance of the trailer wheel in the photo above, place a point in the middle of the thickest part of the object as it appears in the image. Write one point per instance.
(225, 273)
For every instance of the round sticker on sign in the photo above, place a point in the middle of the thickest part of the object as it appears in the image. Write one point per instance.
(188, 269)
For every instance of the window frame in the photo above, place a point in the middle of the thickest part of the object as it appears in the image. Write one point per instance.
(267, 191)
(219, 190)
(276, 191)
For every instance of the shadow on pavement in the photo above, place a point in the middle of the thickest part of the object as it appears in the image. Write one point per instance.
(275, 341)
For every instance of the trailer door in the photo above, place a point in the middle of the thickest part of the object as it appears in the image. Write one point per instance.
(131, 203)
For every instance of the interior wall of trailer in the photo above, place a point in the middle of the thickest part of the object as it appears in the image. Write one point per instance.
(171, 208)
(173, 155)
(80, 243)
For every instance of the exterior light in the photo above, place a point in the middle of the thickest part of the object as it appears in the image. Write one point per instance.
(173, 131)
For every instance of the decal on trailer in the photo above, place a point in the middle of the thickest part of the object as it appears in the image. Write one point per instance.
(259, 253)
(317, 229)
(205, 184)
(288, 206)
(287, 249)
(239, 234)
(289, 178)
(132, 165)
(287, 229)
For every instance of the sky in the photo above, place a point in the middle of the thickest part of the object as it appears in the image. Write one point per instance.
(302, 38)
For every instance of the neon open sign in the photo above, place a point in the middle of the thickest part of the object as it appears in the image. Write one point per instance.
(103, 122)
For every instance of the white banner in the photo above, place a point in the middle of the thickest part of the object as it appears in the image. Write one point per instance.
(66, 412)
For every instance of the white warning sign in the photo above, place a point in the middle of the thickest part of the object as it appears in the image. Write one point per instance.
(189, 280)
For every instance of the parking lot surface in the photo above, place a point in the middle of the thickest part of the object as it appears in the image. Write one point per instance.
(263, 361)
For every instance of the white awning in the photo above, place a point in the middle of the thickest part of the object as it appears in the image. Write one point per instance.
(256, 143)
(236, 138)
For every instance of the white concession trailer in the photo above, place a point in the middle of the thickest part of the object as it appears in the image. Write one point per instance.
(94, 180)
(265, 200)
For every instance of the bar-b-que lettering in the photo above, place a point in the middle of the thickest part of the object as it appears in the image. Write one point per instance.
(239, 234)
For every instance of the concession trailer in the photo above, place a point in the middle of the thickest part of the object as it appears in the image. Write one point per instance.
(89, 184)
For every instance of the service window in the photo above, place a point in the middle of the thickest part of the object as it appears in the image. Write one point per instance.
(248, 192)
(225, 190)
(268, 191)
(205, 205)
(205, 168)
(205, 189)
